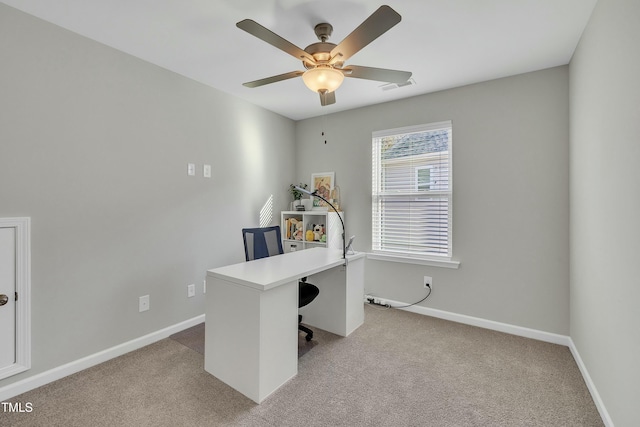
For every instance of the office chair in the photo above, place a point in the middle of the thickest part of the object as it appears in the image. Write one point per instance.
(265, 241)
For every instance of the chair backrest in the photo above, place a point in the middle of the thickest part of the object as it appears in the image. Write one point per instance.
(261, 242)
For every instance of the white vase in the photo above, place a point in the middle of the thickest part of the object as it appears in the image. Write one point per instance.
(308, 204)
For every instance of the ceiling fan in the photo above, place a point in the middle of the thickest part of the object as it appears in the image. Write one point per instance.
(324, 61)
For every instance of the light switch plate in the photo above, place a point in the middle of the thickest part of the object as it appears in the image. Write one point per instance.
(191, 169)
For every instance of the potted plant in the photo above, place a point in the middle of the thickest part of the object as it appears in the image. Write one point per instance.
(297, 194)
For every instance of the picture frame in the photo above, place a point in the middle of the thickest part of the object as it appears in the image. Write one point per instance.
(324, 183)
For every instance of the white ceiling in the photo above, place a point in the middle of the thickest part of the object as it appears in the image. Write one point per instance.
(445, 43)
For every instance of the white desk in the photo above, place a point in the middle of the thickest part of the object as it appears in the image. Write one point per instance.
(251, 329)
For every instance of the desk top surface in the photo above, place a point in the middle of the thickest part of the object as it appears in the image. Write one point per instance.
(267, 273)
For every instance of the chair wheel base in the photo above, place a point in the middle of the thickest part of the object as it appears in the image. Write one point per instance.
(308, 331)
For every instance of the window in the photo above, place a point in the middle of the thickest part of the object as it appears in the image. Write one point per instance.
(412, 191)
(423, 178)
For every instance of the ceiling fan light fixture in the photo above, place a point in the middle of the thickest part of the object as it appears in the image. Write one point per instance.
(324, 61)
(323, 78)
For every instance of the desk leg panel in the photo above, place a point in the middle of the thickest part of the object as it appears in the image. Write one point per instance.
(327, 310)
(278, 337)
(355, 295)
(339, 307)
(250, 336)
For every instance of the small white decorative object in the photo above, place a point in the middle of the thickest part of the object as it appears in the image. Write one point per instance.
(308, 204)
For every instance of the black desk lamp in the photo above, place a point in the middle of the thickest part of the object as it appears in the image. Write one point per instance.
(314, 193)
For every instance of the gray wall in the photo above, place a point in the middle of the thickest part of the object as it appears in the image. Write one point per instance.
(511, 192)
(94, 146)
(605, 205)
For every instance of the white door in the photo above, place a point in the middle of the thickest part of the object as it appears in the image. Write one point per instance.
(7, 296)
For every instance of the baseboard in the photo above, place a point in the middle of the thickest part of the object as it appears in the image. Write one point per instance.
(486, 324)
(604, 414)
(54, 374)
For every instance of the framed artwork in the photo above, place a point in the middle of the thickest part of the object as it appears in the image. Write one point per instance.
(323, 182)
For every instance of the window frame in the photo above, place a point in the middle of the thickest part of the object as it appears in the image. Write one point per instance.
(377, 247)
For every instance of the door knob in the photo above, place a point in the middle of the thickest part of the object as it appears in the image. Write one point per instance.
(3, 299)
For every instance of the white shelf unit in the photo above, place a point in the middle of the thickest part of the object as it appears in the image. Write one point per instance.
(332, 226)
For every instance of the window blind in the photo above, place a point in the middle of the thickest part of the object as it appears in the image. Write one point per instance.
(411, 194)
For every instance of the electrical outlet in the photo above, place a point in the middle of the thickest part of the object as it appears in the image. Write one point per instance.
(428, 282)
(143, 303)
(191, 291)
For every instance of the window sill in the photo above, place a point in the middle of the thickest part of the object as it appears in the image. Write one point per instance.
(421, 261)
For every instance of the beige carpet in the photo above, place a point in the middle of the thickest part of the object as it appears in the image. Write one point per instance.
(398, 369)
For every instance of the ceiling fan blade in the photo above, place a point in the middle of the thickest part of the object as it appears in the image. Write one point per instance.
(257, 30)
(327, 98)
(379, 74)
(273, 79)
(380, 21)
